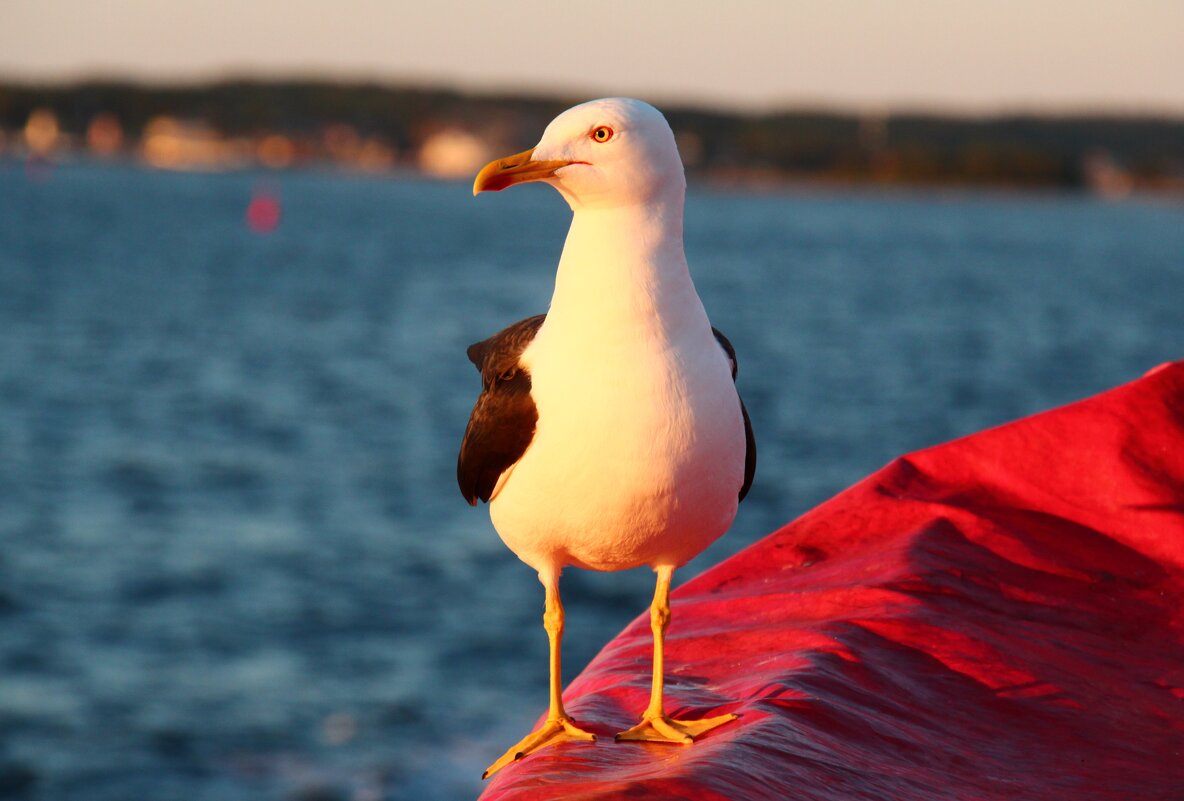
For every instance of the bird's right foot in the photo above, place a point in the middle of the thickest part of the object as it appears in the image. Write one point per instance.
(552, 732)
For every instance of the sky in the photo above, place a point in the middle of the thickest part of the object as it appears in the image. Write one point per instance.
(978, 57)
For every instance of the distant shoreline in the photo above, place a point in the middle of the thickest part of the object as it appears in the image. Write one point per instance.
(371, 127)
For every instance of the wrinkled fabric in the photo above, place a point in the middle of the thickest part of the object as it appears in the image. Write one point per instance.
(999, 617)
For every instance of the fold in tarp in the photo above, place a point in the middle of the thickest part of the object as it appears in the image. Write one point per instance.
(999, 617)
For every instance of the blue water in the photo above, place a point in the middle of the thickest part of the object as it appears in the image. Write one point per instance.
(234, 563)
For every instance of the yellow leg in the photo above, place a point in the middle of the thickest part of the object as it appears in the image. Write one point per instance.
(558, 727)
(656, 726)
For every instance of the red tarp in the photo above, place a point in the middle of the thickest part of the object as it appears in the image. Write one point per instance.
(999, 617)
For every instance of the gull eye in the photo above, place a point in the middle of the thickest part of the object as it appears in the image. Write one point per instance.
(602, 134)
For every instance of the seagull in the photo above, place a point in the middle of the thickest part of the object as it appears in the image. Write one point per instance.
(608, 433)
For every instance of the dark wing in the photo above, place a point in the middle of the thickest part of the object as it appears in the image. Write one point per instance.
(749, 439)
(503, 420)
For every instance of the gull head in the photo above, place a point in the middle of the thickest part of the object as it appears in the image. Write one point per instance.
(600, 154)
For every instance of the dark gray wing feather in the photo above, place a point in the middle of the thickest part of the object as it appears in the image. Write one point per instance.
(503, 419)
(749, 439)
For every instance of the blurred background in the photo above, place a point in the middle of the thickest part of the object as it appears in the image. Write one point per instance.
(240, 264)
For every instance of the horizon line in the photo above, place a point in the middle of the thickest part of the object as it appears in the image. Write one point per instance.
(672, 101)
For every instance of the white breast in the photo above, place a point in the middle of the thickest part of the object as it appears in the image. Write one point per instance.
(638, 455)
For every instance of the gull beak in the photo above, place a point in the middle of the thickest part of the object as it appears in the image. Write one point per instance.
(517, 169)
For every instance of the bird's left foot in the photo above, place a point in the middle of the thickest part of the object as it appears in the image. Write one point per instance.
(663, 729)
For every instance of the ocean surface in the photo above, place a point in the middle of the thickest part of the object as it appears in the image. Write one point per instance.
(234, 563)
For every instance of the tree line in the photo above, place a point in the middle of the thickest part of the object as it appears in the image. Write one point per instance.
(1019, 150)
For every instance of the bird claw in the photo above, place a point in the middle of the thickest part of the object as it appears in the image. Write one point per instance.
(663, 729)
(552, 732)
